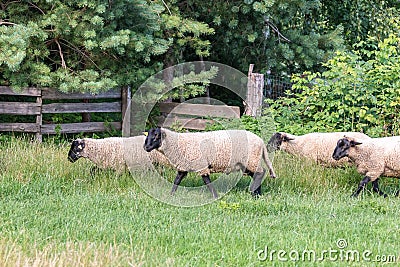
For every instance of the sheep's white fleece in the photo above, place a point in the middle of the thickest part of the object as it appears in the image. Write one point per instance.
(120, 153)
(319, 146)
(215, 152)
(376, 157)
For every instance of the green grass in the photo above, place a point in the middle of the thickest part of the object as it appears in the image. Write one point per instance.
(54, 213)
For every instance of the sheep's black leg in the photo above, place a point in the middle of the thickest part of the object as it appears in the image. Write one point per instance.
(255, 187)
(177, 181)
(361, 186)
(207, 182)
(94, 170)
(375, 187)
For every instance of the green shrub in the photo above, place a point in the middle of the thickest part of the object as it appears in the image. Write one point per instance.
(263, 126)
(358, 92)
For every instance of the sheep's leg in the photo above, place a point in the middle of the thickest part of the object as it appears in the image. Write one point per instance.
(361, 186)
(94, 170)
(375, 187)
(177, 181)
(207, 181)
(255, 187)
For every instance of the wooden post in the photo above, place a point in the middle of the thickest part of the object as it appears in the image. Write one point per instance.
(85, 115)
(39, 118)
(254, 97)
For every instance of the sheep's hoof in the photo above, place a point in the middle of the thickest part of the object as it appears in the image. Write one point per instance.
(256, 193)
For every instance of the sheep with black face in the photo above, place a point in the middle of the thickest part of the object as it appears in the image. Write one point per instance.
(317, 147)
(373, 158)
(116, 153)
(212, 152)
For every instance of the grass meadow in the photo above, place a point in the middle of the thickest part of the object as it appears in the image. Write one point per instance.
(55, 213)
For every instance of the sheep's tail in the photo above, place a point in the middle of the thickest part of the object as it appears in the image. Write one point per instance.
(268, 162)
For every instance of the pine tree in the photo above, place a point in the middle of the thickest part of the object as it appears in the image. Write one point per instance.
(90, 46)
(284, 36)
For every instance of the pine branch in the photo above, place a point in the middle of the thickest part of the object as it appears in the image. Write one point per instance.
(165, 4)
(63, 65)
(2, 22)
(275, 29)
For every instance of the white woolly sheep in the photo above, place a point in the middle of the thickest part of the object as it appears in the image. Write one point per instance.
(373, 158)
(317, 147)
(116, 153)
(212, 152)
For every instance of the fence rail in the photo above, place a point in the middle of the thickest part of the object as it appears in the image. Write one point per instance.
(193, 116)
(23, 107)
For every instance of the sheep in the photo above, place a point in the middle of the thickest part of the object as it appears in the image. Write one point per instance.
(313, 146)
(117, 153)
(212, 152)
(373, 158)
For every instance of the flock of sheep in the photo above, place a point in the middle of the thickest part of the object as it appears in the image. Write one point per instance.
(227, 151)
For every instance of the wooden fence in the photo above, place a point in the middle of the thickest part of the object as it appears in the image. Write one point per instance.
(194, 116)
(185, 115)
(119, 102)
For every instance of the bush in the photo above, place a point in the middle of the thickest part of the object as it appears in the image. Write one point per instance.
(263, 126)
(358, 92)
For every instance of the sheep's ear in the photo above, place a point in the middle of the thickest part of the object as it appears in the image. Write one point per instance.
(163, 134)
(354, 143)
(145, 133)
(287, 138)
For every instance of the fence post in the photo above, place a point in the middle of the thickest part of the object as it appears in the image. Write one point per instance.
(85, 116)
(39, 118)
(254, 96)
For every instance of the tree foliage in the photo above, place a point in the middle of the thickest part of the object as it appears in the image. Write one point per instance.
(362, 19)
(86, 45)
(354, 94)
(279, 35)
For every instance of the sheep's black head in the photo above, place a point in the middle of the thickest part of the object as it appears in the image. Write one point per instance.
(153, 139)
(276, 140)
(342, 147)
(77, 147)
